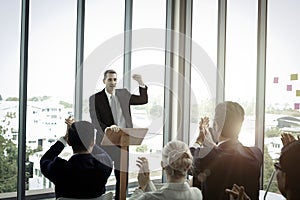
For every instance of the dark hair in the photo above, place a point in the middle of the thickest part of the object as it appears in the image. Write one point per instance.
(229, 116)
(81, 135)
(290, 164)
(109, 71)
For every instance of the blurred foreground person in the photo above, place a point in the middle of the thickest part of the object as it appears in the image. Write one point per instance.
(288, 171)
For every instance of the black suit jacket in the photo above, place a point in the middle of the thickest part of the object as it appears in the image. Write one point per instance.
(102, 117)
(100, 110)
(229, 163)
(82, 176)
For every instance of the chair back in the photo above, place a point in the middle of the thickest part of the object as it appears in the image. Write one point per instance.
(106, 196)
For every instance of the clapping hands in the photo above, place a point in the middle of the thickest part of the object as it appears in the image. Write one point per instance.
(237, 193)
(205, 136)
(69, 121)
(287, 138)
(144, 173)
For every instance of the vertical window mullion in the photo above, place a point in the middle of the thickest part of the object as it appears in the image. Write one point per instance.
(127, 43)
(261, 77)
(221, 50)
(79, 58)
(23, 99)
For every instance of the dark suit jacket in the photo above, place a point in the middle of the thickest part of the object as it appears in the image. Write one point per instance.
(100, 111)
(102, 117)
(82, 176)
(229, 163)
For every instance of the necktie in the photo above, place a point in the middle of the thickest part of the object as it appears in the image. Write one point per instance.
(113, 107)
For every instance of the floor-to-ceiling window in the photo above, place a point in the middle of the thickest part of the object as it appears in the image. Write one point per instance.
(148, 60)
(103, 49)
(240, 70)
(9, 92)
(203, 63)
(51, 80)
(282, 79)
(51, 72)
(103, 45)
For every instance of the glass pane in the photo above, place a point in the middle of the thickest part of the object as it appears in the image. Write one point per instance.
(51, 72)
(103, 45)
(240, 79)
(9, 92)
(282, 81)
(103, 49)
(148, 60)
(204, 35)
(103, 21)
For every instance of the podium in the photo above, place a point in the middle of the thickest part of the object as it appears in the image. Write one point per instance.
(124, 138)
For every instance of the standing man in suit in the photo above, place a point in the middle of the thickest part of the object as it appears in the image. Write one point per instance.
(219, 166)
(110, 108)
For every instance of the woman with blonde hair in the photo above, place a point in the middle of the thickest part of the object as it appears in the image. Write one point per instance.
(176, 161)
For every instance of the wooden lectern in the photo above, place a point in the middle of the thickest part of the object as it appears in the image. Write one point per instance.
(124, 138)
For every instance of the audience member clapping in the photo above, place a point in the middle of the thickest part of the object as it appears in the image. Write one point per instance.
(85, 174)
(176, 161)
(218, 166)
